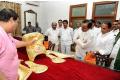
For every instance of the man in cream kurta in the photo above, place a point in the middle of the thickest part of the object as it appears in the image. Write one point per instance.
(95, 31)
(105, 40)
(115, 29)
(78, 25)
(53, 34)
(84, 40)
(66, 34)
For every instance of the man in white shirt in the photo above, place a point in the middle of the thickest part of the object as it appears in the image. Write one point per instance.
(78, 25)
(53, 34)
(105, 40)
(95, 24)
(71, 24)
(115, 64)
(60, 23)
(66, 34)
(95, 30)
(115, 29)
(83, 39)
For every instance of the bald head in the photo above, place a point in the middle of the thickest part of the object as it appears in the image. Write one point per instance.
(54, 25)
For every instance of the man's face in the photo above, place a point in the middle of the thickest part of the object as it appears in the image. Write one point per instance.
(60, 23)
(12, 24)
(65, 24)
(104, 28)
(29, 24)
(119, 24)
(78, 25)
(115, 25)
(85, 27)
(54, 25)
(71, 24)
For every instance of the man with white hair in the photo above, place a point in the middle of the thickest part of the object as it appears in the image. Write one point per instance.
(53, 34)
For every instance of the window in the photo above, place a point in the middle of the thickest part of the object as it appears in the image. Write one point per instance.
(105, 11)
(77, 13)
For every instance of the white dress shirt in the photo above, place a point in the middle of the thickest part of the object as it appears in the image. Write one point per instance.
(75, 30)
(115, 52)
(104, 43)
(53, 35)
(115, 32)
(95, 31)
(66, 35)
(84, 42)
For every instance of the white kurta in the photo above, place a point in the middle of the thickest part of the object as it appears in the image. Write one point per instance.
(53, 35)
(66, 36)
(115, 32)
(114, 53)
(96, 32)
(104, 43)
(76, 30)
(84, 42)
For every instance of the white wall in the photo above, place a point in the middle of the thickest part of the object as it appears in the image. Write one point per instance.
(55, 10)
(49, 11)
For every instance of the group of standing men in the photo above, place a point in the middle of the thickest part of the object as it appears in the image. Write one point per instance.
(89, 36)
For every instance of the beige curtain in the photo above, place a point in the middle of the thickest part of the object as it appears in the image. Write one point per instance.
(17, 8)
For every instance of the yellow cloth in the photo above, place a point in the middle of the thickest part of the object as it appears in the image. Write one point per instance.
(36, 48)
(37, 68)
(55, 59)
(60, 55)
(23, 72)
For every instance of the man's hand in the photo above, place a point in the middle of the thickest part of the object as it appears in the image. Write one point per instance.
(32, 41)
